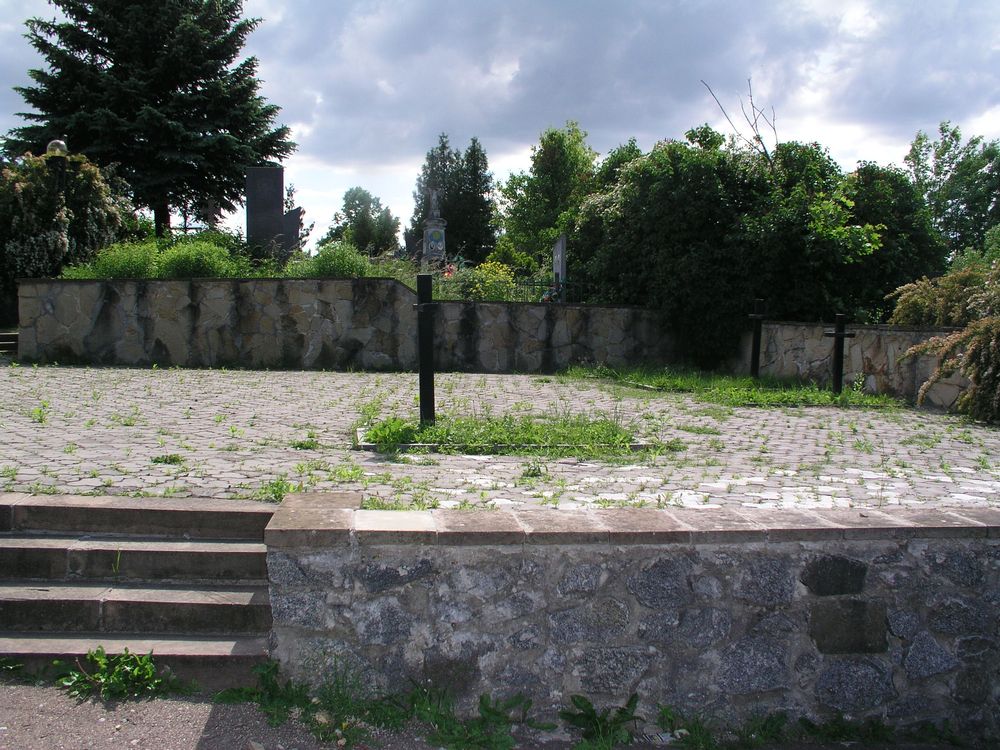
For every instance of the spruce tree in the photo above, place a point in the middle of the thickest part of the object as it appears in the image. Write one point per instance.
(466, 200)
(158, 89)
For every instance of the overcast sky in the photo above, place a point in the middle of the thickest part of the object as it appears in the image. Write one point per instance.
(367, 85)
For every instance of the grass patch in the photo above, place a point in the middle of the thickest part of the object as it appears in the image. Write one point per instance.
(731, 390)
(309, 443)
(275, 490)
(511, 435)
(170, 459)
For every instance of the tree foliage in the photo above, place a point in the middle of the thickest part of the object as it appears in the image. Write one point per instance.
(158, 89)
(960, 182)
(364, 223)
(541, 204)
(54, 213)
(910, 246)
(700, 229)
(466, 199)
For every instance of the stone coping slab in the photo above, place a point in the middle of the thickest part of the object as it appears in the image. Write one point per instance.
(321, 519)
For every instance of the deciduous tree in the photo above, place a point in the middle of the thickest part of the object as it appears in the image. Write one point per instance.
(961, 183)
(364, 223)
(539, 205)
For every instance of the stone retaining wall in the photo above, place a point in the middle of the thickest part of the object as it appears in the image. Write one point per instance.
(721, 614)
(875, 354)
(320, 323)
(371, 324)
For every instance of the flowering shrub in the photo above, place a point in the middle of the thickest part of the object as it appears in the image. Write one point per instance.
(488, 282)
(974, 351)
(51, 217)
(943, 301)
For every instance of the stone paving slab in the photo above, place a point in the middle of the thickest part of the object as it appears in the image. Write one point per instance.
(259, 435)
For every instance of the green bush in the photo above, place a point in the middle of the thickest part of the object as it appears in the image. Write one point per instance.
(488, 282)
(198, 259)
(183, 258)
(334, 260)
(124, 260)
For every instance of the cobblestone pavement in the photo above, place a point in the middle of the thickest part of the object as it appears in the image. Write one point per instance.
(257, 435)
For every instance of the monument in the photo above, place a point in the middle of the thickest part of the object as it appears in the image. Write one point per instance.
(434, 252)
(271, 233)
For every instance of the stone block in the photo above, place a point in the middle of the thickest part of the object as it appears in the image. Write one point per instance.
(753, 665)
(903, 624)
(612, 671)
(927, 657)
(699, 627)
(596, 622)
(766, 581)
(580, 578)
(460, 527)
(973, 686)
(664, 584)
(383, 622)
(833, 575)
(959, 566)
(848, 626)
(962, 617)
(854, 685)
(379, 577)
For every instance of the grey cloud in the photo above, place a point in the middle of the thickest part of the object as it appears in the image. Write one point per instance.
(377, 80)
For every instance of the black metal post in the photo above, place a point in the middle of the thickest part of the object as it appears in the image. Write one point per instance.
(425, 346)
(757, 316)
(838, 334)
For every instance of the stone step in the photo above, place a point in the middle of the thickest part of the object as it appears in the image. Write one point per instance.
(214, 663)
(32, 557)
(199, 518)
(8, 342)
(121, 609)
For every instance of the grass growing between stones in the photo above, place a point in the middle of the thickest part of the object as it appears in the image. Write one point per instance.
(731, 390)
(344, 712)
(513, 435)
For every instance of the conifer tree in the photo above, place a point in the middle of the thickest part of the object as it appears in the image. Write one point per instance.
(158, 89)
(466, 199)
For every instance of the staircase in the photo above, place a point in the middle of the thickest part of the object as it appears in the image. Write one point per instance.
(8, 343)
(186, 579)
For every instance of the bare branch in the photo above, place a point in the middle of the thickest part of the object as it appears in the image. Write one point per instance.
(754, 117)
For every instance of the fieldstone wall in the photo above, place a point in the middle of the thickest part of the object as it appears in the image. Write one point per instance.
(315, 323)
(724, 614)
(875, 354)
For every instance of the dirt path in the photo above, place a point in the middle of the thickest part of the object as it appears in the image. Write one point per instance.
(45, 718)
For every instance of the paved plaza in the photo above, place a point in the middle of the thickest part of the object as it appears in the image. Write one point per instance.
(257, 435)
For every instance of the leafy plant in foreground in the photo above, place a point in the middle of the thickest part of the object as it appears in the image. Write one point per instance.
(490, 730)
(118, 677)
(839, 729)
(605, 729)
(689, 733)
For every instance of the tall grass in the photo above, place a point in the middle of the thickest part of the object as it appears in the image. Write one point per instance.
(731, 390)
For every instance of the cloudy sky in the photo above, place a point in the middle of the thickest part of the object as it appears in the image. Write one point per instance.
(367, 85)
